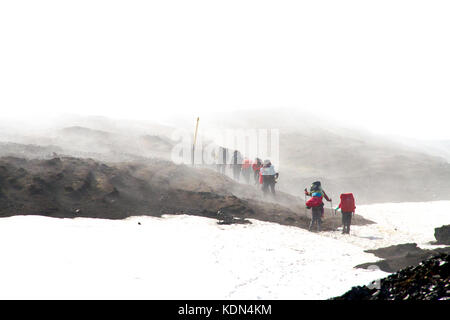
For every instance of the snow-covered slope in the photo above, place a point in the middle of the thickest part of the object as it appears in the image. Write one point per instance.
(176, 257)
(396, 223)
(186, 257)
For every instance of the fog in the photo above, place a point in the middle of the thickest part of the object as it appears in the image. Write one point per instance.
(99, 103)
(310, 148)
(358, 91)
(381, 65)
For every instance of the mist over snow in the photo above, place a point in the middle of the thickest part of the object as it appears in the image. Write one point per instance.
(94, 95)
(176, 257)
(183, 257)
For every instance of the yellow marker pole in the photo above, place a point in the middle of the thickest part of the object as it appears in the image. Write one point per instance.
(195, 141)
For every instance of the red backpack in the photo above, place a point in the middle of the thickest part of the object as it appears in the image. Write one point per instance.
(246, 164)
(314, 202)
(347, 202)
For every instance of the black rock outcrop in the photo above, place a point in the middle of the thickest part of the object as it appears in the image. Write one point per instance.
(430, 280)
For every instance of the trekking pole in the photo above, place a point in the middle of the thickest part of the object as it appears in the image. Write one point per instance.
(305, 204)
(194, 142)
(306, 213)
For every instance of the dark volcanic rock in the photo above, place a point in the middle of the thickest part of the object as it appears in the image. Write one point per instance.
(69, 187)
(430, 280)
(442, 234)
(399, 250)
(400, 256)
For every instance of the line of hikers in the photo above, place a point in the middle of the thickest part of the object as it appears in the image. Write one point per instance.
(264, 174)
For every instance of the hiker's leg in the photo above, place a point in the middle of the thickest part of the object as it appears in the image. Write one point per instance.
(347, 217)
(265, 185)
(272, 185)
(349, 222)
(313, 220)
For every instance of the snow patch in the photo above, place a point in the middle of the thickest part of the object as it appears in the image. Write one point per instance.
(174, 257)
(187, 257)
(397, 223)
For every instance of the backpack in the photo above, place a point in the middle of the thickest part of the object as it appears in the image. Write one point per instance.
(315, 187)
(347, 202)
(246, 164)
(314, 202)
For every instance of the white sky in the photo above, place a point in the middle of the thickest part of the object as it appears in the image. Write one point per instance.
(383, 64)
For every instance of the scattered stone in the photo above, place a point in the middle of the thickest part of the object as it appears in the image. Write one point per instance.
(442, 234)
(429, 280)
(400, 256)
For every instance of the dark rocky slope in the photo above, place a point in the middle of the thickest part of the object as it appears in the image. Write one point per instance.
(70, 187)
(442, 234)
(430, 280)
(400, 256)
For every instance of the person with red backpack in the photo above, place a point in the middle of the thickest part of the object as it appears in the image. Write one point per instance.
(246, 170)
(348, 208)
(256, 166)
(316, 204)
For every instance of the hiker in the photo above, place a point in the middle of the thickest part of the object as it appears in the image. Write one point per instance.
(268, 177)
(236, 162)
(222, 160)
(347, 207)
(246, 170)
(256, 166)
(316, 204)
